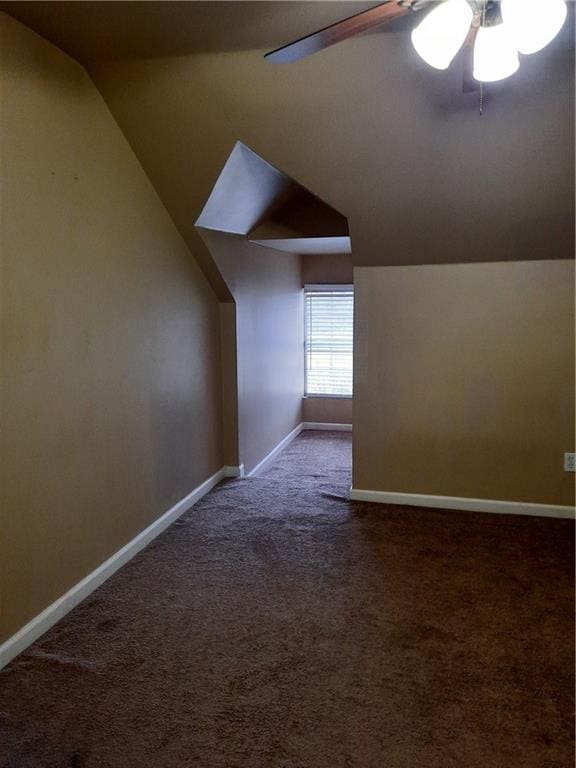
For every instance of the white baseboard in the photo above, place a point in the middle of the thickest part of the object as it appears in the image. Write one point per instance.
(464, 504)
(58, 609)
(328, 427)
(234, 471)
(269, 458)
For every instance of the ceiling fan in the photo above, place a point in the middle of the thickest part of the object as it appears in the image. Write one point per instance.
(492, 33)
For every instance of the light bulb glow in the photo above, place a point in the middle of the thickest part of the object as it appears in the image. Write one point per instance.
(439, 37)
(532, 23)
(495, 56)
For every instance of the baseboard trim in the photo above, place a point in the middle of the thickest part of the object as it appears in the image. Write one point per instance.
(40, 624)
(463, 504)
(269, 458)
(234, 471)
(321, 425)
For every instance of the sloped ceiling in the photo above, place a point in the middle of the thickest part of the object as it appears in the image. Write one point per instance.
(369, 128)
(102, 31)
(244, 193)
(308, 246)
(300, 215)
(253, 198)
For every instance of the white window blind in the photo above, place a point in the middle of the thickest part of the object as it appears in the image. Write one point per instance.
(329, 313)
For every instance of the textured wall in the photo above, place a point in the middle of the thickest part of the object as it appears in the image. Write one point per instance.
(464, 380)
(109, 337)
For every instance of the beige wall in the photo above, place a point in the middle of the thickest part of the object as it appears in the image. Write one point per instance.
(229, 375)
(110, 378)
(267, 291)
(333, 268)
(327, 410)
(464, 380)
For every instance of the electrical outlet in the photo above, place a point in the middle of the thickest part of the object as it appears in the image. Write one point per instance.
(570, 462)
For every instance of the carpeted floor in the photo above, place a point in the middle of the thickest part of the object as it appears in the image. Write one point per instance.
(277, 625)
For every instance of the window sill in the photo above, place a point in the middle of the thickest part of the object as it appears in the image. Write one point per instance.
(327, 397)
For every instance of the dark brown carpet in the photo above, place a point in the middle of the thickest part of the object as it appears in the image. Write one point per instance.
(277, 625)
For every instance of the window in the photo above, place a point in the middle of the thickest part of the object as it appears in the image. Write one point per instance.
(328, 334)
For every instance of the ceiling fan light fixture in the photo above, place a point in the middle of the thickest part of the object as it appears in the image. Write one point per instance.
(533, 24)
(495, 55)
(439, 37)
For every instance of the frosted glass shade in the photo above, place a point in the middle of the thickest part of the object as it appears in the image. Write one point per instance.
(533, 23)
(439, 37)
(495, 56)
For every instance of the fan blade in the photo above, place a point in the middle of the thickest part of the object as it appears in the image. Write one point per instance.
(341, 30)
(469, 84)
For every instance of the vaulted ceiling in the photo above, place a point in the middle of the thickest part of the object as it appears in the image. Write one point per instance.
(367, 126)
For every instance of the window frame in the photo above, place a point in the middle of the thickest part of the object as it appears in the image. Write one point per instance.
(327, 288)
